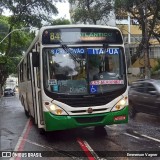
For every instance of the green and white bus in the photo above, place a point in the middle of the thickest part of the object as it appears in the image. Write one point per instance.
(75, 76)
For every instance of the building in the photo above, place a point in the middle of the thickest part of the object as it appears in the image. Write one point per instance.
(132, 37)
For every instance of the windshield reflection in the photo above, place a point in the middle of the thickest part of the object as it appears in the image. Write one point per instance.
(82, 70)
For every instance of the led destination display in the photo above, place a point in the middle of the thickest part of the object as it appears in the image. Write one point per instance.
(81, 35)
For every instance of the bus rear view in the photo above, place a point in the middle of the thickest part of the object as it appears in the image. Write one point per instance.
(81, 77)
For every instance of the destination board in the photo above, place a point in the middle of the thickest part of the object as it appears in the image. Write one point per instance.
(81, 35)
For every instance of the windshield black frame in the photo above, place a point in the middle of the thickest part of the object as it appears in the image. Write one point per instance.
(122, 75)
(81, 35)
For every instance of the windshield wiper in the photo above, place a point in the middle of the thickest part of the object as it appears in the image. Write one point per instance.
(65, 47)
(105, 46)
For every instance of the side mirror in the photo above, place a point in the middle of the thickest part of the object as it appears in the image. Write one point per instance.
(35, 59)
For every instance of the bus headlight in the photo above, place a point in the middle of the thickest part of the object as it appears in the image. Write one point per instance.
(120, 105)
(53, 108)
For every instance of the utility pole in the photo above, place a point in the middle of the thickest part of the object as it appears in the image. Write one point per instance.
(146, 46)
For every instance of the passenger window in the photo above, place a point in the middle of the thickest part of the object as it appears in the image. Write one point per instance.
(140, 87)
(150, 87)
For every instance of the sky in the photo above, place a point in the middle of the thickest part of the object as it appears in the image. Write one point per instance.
(63, 9)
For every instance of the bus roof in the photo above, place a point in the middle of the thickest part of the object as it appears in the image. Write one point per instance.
(66, 26)
(79, 25)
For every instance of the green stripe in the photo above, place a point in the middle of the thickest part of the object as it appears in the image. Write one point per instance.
(53, 122)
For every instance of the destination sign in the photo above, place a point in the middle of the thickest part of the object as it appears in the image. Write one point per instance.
(95, 51)
(81, 35)
(104, 82)
(92, 36)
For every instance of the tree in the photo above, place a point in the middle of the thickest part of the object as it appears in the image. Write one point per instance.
(8, 65)
(145, 12)
(60, 21)
(155, 72)
(20, 39)
(91, 11)
(4, 26)
(20, 43)
(27, 13)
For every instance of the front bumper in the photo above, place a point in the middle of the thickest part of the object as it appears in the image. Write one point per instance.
(53, 122)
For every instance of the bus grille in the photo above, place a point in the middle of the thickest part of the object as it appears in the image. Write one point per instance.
(87, 101)
(89, 119)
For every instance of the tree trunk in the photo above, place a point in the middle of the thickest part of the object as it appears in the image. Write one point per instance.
(8, 50)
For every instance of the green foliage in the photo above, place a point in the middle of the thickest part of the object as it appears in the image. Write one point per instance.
(8, 65)
(20, 42)
(24, 13)
(157, 67)
(60, 21)
(142, 10)
(29, 12)
(4, 27)
(20, 39)
(91, 11)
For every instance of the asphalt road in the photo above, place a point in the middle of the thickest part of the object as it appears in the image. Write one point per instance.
(136, 140)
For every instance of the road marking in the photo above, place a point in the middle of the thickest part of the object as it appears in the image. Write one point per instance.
(85, 148)
(109, 127)
(51, 148)
(112, 127)
(21, 141)
(131, 135)
(142, 135)
(92, 151)
(37, 144)
(155, 139)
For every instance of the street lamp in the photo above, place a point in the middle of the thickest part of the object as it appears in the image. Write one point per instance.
(25, 28)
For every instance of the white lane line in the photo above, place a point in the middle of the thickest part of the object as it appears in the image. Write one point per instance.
(91, 150)
(109, 127)
(131, 135)
(37, 144)
(22, 137)
(143, 135)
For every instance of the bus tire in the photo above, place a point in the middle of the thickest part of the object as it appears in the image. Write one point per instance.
(26, 113)
(100, 130)
(42, 131)
(132, 111)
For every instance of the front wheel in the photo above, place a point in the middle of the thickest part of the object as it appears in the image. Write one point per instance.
(100, 130)
(132, 111)
(42, 131)
(26, 113)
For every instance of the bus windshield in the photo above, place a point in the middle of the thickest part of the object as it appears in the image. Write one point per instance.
(83, 70)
